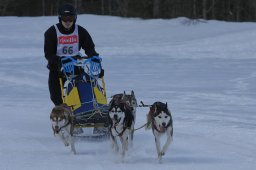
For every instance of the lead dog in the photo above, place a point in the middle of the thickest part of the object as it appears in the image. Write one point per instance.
(62, 125)
(121, 119)
(160, 120)
(129, 99)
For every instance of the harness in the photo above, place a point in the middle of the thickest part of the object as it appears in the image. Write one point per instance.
(124, 128)
(122, 132)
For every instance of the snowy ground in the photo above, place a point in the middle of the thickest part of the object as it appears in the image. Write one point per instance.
(206, 73)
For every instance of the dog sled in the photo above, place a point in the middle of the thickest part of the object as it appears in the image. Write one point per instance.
(83, 89)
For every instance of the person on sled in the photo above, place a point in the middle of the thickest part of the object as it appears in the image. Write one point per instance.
(65, 38)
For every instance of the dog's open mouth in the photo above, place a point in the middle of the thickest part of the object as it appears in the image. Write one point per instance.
(116, 121)
(56, 130)
(162, 128)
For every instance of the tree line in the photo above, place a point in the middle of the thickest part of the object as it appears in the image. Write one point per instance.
(228, 10)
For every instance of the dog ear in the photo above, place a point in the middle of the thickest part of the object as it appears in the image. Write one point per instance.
(153, 109)
(110, 105)
(123, 96)
(132, 93)
(166, 108)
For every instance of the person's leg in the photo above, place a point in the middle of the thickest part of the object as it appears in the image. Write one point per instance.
(54, 87)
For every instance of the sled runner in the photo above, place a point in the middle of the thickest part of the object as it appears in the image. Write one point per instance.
(83, 89)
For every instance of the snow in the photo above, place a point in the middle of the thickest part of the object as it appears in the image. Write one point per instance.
(206, 72)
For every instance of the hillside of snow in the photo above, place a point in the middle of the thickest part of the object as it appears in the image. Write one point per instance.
(206, 72)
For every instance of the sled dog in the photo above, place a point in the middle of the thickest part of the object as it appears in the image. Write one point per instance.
(120, 122)
(129, 99)
(62, 124)
(160, 120)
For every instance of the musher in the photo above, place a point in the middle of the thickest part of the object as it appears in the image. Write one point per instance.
(65, 38)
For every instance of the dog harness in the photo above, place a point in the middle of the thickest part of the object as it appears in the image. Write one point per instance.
(124, 127)
(121, 133)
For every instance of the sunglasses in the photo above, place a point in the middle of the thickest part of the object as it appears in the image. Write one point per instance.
(68, 18)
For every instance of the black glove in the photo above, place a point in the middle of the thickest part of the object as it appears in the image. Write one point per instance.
(53, 62)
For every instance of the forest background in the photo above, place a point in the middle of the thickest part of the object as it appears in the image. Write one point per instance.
(227, 10)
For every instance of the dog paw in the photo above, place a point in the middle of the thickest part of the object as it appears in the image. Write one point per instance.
(161, 154)
(159, 158)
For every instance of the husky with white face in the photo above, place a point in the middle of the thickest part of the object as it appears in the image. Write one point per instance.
(160, 119)
(62, 125)
(130, 100)
(120, 121)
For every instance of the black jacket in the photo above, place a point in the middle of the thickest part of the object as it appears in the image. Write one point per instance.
(50, 44)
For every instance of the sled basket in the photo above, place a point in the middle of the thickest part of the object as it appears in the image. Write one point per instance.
(84, 92)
